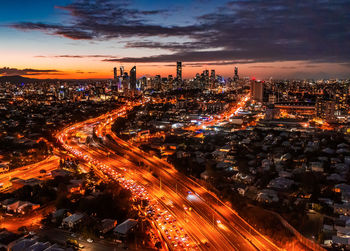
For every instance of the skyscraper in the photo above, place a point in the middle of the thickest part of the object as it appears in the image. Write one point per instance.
(236, 77)
(115, 73)
(133, 78)
(121, 71)
(325, 109)
(212, 75)
(256, 90)
(206, 73)
(206, 78)
(179, 70)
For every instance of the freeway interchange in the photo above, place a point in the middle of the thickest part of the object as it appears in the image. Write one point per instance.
(186, 215)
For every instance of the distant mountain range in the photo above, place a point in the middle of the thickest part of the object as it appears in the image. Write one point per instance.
(17, 79)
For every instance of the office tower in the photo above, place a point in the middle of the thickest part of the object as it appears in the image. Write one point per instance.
(179, 70)
(236, 77)
(143, 83)
(325, 109)
(115, 73)
(157, 82)
(121, 71)
(125, 81)
(205, 83)
(212, 75)
(169, 82)
(63, 92)
(256, 90)
(272, 99)
(133, 78)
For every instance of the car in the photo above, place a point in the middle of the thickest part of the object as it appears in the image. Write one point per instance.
(72, 243)
(90, 240)
(23, 229)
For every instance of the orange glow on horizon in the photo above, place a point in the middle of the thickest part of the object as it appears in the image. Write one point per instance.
(87, 68)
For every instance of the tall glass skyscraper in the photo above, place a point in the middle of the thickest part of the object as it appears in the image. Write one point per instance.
(179, 70)
(133, 78)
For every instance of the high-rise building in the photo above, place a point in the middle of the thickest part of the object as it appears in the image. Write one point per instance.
(143, 83)
(115, 73)
(212, 75)
(236, 77)
(256, 90)
(325, 109)
(121, 71)
(272, 98)
(271, 112)
(205, 83)
(133, 78)
(179, 70)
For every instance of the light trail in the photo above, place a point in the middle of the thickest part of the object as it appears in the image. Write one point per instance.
(195, 229)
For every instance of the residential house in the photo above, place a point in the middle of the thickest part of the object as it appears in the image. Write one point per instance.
(124, 228)
(73, 220)
(107, 225)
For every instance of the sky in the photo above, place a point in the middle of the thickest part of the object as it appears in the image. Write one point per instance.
(83, 39)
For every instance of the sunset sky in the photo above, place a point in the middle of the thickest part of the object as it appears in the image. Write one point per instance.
(87, 38)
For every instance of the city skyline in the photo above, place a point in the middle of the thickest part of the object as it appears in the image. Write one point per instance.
(175, 125)
(86, 39)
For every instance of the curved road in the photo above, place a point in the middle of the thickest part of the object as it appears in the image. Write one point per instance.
(187, 215)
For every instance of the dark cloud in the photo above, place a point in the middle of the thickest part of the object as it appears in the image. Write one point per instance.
(189, 56)
(83, 72)
(6, 71)
(75, 56)
(310, 66)
(106, 19)
(346, 64)
(172, 46)
(242, 31)
(288, 67)
(216, 63)
(261, 66)
(65, 31)
(265, 31)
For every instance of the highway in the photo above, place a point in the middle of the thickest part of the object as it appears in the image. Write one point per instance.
(29, 171)
(187, 215)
